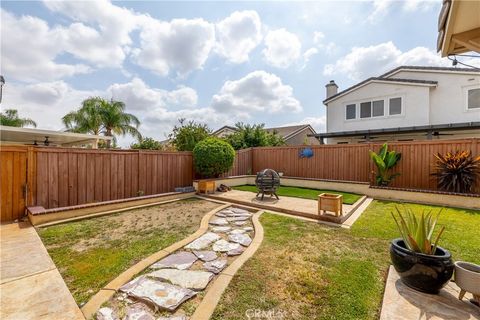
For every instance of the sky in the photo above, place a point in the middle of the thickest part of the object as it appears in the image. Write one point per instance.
(213, 62)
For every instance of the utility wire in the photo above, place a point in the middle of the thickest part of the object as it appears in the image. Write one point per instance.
(455, 61)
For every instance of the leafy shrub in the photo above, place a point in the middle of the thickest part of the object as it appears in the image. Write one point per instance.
(147, 144)
(417, 232)
(457, 171)
(385, 160)
(186, 135)
(212, 157)
(248, 136)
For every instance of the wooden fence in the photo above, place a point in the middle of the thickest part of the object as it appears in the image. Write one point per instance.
(57, 177)
(352, 162)
(66, 177)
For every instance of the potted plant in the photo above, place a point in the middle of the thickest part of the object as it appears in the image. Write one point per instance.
(420, 262)
(385, 160)
(467, 278)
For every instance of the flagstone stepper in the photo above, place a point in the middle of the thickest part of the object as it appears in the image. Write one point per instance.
(219, 222)
(163, 295)
(224, 246)
(203, 241)
(215, 266)
(221, 229)
(189, 279)
(205, 255)
(243, 239)
(180, 260)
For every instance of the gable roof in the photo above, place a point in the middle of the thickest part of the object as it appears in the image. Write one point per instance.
(384, 78)
(290, 131)
(285, 132)
(224, 127)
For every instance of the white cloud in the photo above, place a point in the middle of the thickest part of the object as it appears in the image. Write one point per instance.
(106, 39)
(238, 34)
(183, 45)
(382, 7)
(29, 49)
(363, 62)
(282, 48)
(139, 96)
(318, 123)
(258, 91)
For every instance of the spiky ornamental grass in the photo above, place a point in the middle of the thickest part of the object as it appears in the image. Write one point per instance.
(417, 232)
(457, 171)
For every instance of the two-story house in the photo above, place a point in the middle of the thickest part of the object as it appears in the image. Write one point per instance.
(406, 103)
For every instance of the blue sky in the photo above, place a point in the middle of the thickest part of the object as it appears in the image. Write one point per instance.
(215, 62)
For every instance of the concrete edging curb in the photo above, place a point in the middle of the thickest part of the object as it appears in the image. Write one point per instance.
(209, 302)
(111, 288)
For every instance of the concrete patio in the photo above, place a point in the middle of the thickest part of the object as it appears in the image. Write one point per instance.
(296, 206)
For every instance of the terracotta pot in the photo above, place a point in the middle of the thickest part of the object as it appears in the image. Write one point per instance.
(467, 277)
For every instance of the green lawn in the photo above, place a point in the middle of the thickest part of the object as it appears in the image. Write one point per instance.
(90, 253)
(305, 193)
(311, 271)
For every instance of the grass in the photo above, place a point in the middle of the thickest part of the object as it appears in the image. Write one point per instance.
(305, 193)
(90, 253)
(310, 271)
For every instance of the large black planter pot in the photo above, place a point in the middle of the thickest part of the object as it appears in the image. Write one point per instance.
(426, 273)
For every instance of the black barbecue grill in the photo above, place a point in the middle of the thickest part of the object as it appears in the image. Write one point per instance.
(267, 182)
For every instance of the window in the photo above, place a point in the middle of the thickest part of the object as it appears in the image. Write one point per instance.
(473, 99)
(351, 111)
(395, 106)
(377, 110)
(365, 110)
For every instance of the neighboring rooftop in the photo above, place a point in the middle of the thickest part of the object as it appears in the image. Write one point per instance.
(17, 135)
(385, 78)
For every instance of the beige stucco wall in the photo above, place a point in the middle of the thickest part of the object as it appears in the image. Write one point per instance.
(448, 101)
(415, 111)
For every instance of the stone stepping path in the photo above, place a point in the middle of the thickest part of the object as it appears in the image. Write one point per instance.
(161, 294)
(181, 260)
(189, 279)
(180, 276)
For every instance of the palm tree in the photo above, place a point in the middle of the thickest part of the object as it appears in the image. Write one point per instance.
(100, 116)
(10, 118)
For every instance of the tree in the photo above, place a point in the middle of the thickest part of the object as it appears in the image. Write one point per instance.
(147, 144)
(212, 157)
(10, 118)
(186, 135)
(248, 136)
(101, 116)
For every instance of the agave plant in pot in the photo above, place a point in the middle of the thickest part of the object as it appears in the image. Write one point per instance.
(420, 262)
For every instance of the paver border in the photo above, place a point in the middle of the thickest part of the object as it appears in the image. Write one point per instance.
(209, 302)
(91, 307)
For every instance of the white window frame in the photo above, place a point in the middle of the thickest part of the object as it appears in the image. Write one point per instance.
(386, 107)
(356, 112)
(465, 93)
(402, 104)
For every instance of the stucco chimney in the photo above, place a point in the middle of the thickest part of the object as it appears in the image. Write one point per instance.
(332, 88)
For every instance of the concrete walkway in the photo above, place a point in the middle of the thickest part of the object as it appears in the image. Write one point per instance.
(30, 285)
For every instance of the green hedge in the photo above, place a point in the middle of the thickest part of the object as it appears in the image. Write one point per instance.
(213, 157)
